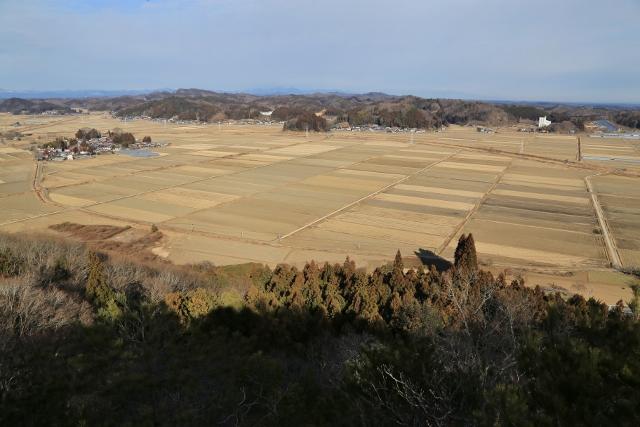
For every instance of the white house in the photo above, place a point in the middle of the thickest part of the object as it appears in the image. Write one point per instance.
(543, 122)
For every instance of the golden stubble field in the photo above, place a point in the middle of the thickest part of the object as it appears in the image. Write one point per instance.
(234, 194)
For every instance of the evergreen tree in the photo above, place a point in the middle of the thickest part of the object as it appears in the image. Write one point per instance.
(397, 280)
(397, 262)
(466, 260)
(97, 289)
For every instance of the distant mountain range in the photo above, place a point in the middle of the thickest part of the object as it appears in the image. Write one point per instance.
(94, 93)
(374, 108)
(278, 91)
(67, 94)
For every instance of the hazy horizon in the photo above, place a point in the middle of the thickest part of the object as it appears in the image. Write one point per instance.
(274, 91)
(496, 50)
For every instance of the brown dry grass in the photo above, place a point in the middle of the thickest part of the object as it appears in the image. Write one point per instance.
(88, 232)
(101, 238)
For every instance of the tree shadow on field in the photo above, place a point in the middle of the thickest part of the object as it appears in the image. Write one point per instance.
(429, 258)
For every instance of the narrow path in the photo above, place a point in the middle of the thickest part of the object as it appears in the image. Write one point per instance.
(38, 191)
(17, 221)
(362, 199)
(536, 158)
(29, 128)
(37, 177)
(612, 250)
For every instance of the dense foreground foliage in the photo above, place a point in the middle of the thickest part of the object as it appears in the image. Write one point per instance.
(87, 340)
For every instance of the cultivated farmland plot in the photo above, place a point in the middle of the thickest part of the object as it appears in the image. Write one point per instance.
(234, 194)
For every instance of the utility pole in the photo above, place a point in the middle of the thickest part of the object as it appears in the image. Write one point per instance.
(579, 150)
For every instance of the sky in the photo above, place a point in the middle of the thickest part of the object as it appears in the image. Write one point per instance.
(567, 50)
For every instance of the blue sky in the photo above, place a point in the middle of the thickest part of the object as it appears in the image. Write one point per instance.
(568, 50)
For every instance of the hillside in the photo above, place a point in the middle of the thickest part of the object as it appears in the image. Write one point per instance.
(19, 105)
(356, 110)
(86, 337)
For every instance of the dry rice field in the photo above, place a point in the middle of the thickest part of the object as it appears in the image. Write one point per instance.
(234, 194)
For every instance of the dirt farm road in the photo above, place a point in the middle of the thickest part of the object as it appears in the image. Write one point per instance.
(610, 244)
(368, 196)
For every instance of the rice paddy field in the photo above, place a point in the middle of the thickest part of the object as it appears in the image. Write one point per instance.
(231, 194)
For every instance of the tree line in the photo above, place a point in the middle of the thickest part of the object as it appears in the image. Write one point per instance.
(628, 118)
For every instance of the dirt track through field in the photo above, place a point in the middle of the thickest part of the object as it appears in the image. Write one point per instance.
(362, 199)
(37, 177)
(471, 212)
(536, 158)
(612, 250)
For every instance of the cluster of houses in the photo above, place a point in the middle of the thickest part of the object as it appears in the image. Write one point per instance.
(89, 148)
(57, 154)
(266, 121)
(484, 129)
(172, 120)
(345, 127)
(53, 113)
(617, 135)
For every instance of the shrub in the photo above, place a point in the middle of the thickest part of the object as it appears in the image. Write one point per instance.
(98, 290)
(191, 304)
(10, 264)
(124, 139)
(307, 121)
(86, 133)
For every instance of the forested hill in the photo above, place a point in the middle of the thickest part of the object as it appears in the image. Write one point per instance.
(87, 339)
(375, 108)
(18, 105)
(330, 109)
